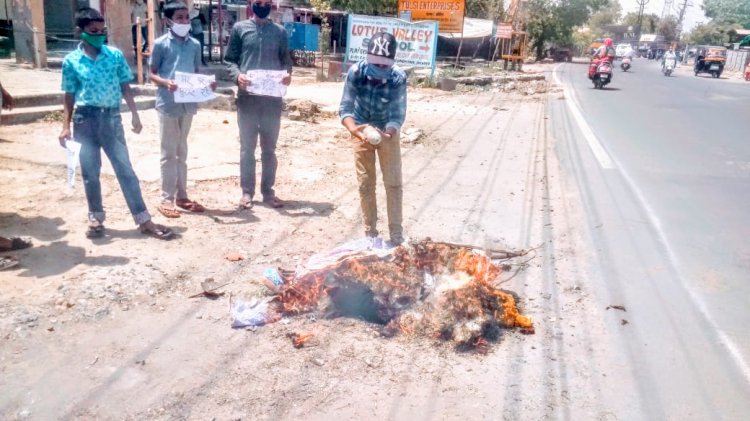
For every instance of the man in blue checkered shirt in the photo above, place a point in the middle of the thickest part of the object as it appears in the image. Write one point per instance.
(375, 96)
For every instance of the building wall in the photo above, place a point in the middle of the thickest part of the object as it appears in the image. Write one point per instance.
(59, 17)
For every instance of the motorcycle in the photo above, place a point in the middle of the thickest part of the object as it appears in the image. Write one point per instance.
(603, 75)
(625, 65)
(668, 67)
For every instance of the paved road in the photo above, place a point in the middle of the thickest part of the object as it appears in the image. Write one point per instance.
(665, 175)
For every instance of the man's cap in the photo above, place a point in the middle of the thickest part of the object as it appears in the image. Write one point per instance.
(382, 49)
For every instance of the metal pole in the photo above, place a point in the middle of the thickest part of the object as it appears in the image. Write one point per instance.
(138, 50)
(210, 30)
(221, 33)
(460, 43)
(641, 5)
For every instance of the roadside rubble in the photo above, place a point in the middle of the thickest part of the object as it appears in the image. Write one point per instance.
(425, 288)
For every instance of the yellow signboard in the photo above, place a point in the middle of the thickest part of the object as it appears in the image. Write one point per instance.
(448, 13)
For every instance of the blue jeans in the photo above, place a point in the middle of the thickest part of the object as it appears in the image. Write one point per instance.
(95, 129)
(258, 117)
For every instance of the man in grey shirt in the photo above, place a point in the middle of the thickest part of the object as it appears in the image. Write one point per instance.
(258, 43)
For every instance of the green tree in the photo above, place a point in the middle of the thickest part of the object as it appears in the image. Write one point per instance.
(711, 33)
(728, 12)
(668, 28)
(555, 21)
(609, 15)
(485, 9)
(649, 24)
(366, 7)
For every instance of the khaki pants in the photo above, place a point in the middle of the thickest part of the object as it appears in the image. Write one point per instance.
(389, 154)
(174, 148)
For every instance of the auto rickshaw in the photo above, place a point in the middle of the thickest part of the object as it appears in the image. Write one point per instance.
(710, 60)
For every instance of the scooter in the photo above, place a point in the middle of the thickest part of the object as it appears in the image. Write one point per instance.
(625, 65)
(603, 75)
(668, 67)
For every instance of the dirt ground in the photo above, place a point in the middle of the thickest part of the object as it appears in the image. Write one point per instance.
(103, 329)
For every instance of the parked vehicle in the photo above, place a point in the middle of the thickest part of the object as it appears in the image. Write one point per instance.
(625, 65)
(561, 54)
(603, 75)
(621, 49)
(710, 60)
(669, 65)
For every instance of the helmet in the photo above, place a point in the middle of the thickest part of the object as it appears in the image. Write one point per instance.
(608, 42)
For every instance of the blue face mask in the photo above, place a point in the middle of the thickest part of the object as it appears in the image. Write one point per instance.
(376, 72)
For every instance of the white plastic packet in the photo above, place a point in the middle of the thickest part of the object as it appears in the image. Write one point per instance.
(73, 150)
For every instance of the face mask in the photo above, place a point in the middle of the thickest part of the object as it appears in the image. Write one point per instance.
(180, 29)
(261, 11)
(376, 72)
(95, 40)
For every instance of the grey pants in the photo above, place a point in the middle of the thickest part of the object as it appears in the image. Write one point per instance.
(174, 132)
(258, 117)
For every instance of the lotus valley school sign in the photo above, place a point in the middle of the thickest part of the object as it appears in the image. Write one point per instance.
(417, 42)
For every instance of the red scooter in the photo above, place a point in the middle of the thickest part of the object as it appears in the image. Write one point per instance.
(602, 75)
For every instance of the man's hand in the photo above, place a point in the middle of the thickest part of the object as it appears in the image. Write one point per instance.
(286, 80)
(243, 82)
(358, 131)
(7, 100)
(389, 134)
(64, 136)
(171, 85)
(137, 126)
(213, 86)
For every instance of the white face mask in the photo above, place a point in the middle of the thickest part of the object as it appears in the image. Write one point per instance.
(180, 29)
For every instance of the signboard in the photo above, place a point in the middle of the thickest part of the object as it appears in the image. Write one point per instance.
(448, 13)
(504, 30)
(417, 42)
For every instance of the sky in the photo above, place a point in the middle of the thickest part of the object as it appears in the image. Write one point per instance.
(693, 16)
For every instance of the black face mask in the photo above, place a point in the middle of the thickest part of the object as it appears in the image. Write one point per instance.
(261, 11)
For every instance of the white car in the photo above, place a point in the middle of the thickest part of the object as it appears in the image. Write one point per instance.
(621, 49)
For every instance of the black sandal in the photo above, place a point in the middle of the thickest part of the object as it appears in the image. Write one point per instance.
(95, 231)
(159, 232)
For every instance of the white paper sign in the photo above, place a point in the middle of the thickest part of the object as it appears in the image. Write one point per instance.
(192, 87)
(267, 82)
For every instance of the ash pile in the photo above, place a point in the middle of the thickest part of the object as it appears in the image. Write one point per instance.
(426, 288)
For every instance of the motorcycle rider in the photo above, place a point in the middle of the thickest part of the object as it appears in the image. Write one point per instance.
(605, 53)
(627, 58)
(669, 55)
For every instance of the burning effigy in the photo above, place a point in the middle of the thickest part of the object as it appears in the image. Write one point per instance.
(427, 288)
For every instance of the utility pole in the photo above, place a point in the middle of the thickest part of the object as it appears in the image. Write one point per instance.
(641, 5)
(681, 17)
(667, 9)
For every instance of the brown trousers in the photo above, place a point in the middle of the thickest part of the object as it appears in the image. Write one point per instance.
(389, 154)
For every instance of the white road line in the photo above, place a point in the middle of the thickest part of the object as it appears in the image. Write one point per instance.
(596, 147)
(724, 338)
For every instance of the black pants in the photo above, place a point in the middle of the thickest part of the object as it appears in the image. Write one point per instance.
(199, 38)
(144, 37)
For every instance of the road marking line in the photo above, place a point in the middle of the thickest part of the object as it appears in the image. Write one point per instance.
(724, 339)
(596, 147)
